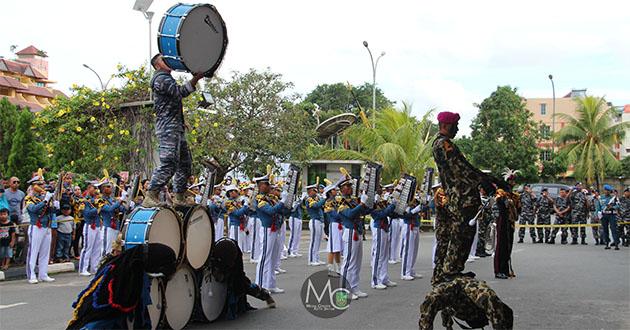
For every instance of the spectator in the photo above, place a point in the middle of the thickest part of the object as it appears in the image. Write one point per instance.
(65, 228)
(4, 203)
(15, 197)
(7, 238)
(78, 203)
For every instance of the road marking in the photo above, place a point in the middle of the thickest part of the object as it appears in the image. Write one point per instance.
(12, 305)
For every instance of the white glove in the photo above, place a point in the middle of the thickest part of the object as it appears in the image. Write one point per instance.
(296, 204)
(56, 204)
(599, 214)
(123, 196)
(416, 209)
(408, 210)
(132, 205)
(472, 222)
(49, 195)
(304, 195)
(364, 198)
(283, 197)
(197, 199)
(246, 202)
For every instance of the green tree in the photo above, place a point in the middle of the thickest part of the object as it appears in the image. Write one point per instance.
(8, 119)
(399, 141)
(26, 153)
(254, 122)
(554, 167)
(337, 98)
(504, 135)
(587, 139)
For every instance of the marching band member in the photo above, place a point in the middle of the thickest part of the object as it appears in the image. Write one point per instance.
(335, 230)
(314, 208)
(237, 213)
(41, 212)
(295, 227)
(246, 192)
(280, 253)
(380, 243)
(268, 210)
(215, 204)
(109, 215)
(395, 226)
(350, 211)
(92, 238)
(410, 240)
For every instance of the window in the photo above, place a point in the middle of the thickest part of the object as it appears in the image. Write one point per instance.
(543, 109)
(314, 171)
(545, 155)
(545, 131)
(40, 84)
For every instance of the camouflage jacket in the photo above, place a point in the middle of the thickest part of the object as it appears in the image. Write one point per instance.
(624, 208)
(527, 204)
(544, 206)
(467, 299)
(459, 178)
(578, 202)
(562, 204)
(167, 98)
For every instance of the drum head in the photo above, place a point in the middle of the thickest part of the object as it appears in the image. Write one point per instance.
(212, 296)
(165, 229)
(202, 39)
(156, 308)
(180, 298)
(199, 237)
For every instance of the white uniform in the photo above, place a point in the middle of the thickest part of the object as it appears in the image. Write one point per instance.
(335, 241)
(109, 236)
(352, 257)
(295, 225)
(265, 276)
(380, 253)
(317, 230)
(395, 239)
(257, 233)
(410, 244)
(38, 251)
(92, 249)
(282, 232)
(249, 238)
(238, 235)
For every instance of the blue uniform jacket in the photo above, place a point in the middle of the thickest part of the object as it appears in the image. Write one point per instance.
(411, 218)
(38, 209)
(90, 212)
(268, 213)
(380, 217)
(314, 208)
(235, 214)
(109, 210)
(350, 212)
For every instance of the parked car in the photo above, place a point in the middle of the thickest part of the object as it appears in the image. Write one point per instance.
(552, 188)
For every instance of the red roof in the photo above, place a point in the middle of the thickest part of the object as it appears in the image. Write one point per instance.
(25, 104)
(38, 91)
(20, 67)
(626, 108)
(30, 50)
(11, 82)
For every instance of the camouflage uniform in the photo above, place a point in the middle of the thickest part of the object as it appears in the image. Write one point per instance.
(624, 216)
(527, 216)
(593, 202)
(443, 222)
(484, 222)
(460, 181)
(544, 207)
(174, 154)
(578, 213)
(467, 299)
(561, 204)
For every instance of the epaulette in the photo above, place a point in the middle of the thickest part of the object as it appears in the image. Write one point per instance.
(261, 200)
(311, 201)
(30, 199)
(330, 205)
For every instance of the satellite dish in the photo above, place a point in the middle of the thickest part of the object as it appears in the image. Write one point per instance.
(142, 5)
(335, 124)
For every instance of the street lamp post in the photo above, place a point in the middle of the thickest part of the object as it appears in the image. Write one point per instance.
(103, 86)
(374, 66)
(143, 7)
(553, 115)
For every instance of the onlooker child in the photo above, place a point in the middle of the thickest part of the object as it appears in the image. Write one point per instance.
(65, 227)
(7, 238)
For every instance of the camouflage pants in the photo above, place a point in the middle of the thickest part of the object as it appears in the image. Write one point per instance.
(482, 232)
(526, 219)
(578, 218)
(561, 221)
(442, 238)
(461, 236)
(175, 159)
(543, 219)
(597, 229)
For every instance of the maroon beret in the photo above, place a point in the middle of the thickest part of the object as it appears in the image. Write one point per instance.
(447, 117)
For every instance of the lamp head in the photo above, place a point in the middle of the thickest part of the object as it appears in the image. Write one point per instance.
(365, 44)
(550, 77)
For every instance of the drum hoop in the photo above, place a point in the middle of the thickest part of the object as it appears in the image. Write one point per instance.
(189, 213)
(161, 287)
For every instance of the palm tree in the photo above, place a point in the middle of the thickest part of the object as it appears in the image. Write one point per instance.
(398, 140)
(588, 139)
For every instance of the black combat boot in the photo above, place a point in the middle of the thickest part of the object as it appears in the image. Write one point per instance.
(617, 247)
(520, 240)
(597, 241)
(552, 240)
(584, 241)
(563, 241)
(607, 247)
(540, 240)
(574, 241)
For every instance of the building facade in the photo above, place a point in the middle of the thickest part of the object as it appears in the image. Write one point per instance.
(24, 80)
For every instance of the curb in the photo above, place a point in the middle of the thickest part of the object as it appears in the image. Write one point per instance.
(18, 273)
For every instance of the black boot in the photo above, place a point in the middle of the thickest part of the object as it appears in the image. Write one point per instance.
(574, 241)
(607, 247)
(520, 240)
(597, 241)
(540, 240)
(584, 241)
(563, 241)
(617, 247)
(552, 240)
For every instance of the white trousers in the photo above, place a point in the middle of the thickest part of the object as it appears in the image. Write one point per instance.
(352, 256)
(38, 252)
(410, 242)
(395, 239)
(380, 253)
(91, 252)
(295, 235)
(473, 247)
(282, 232)
(249, 238)
(317, 230)
(265, 276)
(257, 233)
(218, 229)
(109, 236)
(238, 235)
(335, 237)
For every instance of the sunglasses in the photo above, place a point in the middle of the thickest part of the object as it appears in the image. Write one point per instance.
(15, 182)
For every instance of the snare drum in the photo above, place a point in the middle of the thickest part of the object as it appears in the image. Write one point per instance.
(192, 38)
(179, 297)
(198, 235)
(212, 296)
(153, 225)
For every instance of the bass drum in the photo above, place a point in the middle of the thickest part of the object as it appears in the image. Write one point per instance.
(212, 296)
(179, 297)
(153, 225)
(198, 235)
(156, 307)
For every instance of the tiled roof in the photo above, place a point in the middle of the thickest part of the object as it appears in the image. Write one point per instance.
(30, 50)
(20, 67)
(626, 108)
(11, 82)
(25, 104)
(39, 91)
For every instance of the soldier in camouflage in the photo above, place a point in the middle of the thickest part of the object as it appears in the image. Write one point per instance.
(578, 213)
(460, 181)
(544, 207)
(562, 208)
(528, 201)
(485, 220)
(624, 216)
(175, 158)
(442, 219)
(468, 299)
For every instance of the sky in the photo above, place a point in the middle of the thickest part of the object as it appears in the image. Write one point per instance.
(445, 55)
